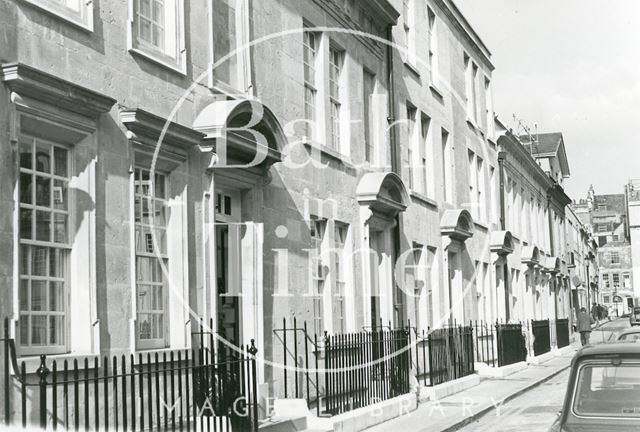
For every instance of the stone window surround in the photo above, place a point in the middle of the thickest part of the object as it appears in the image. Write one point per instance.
(82, 19)
(177, 64)
(144, 130)
(243, 34)
(68, 114)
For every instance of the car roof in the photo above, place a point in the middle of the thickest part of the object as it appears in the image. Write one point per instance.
(629, 331)
(631, 349)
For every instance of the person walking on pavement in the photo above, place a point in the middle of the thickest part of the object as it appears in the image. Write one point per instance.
(584, 326)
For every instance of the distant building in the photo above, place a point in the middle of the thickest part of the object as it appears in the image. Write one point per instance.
(632, 193)
(608, 217)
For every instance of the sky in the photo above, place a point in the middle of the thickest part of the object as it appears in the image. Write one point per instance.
(571, 66)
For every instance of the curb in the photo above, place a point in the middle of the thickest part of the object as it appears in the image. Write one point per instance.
(484, 411)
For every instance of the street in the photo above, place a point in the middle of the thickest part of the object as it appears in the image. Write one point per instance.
(533, 411)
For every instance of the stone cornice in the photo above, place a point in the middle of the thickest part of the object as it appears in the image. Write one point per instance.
(37, 85)
(150, 126)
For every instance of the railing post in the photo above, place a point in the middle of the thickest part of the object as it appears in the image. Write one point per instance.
(42, 373)
(254, 386)
(7, 405)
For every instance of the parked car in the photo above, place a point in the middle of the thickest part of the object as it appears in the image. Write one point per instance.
(603, 391)
(634, 317)
(630, 335)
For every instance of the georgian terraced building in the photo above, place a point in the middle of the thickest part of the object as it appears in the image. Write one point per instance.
(320, 173)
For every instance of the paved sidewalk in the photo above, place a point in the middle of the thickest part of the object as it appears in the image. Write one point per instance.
(454, 412)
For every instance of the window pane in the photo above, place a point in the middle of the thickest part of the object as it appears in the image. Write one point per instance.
(60, 228)
(43, 228)
(144, 298)
(56, 263)
(26, 188)
(23, 295)
(56, 296)
(43, 191)
(60, 195)
(158, 326)
(145, 7)
(43, 158)
(160, 186)
(38, 295)
(26, 155)
(158, 298)
(39, 257)
(144, 326)
(56, 330)
(38, 330)
(24, 329)
(60, 156)
(25, 262)
(26, 223)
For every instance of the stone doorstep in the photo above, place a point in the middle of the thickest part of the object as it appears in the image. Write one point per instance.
(449, 388)
(486, 371)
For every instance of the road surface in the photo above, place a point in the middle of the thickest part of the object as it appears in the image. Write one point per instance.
(533, 411)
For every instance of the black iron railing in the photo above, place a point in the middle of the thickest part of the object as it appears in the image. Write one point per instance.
(563, 334)
(540, 331)
(485, 343)
(342, 372)
(301, 355)
(186, 389)
(511, 344)
(365, 368)
(451, 354)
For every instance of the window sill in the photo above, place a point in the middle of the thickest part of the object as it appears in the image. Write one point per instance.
(331, 153)
(413, 68)
(435, 89)
(472, 124)
(482, 225)
(152, 352)
(69, 17)
(179, 69)
(32, 363)
(424, 199)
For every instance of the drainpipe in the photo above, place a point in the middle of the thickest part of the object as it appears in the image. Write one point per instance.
(395, 167)
(552, 252)
(502, 156)
(391, 103)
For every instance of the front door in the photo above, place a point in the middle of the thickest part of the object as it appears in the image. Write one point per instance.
(228, 268)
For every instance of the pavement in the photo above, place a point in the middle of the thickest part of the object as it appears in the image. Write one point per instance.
(455, 412)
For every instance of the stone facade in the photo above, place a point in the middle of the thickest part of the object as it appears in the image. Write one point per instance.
(404, 201)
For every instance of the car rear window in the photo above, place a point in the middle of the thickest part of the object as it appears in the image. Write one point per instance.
(632, 337)
(605, 390)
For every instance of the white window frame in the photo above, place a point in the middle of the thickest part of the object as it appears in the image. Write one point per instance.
(412, 147)
(434, 74)
(243, 57)
(175, 61)
(336, 98)
(311, 85)
(82, 325)
(342, 272)
(63, 248)
(317, 273)
(409, 27)
(175, 271)
(139, 198)
(82, 18)
(369, 116)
